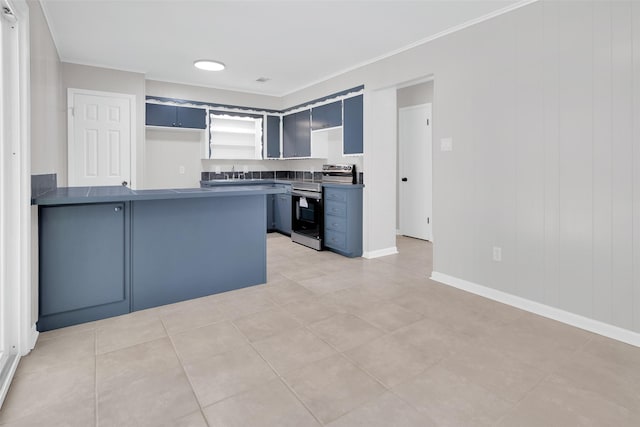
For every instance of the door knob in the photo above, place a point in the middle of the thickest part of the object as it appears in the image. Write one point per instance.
(125, 183)
(404, 179)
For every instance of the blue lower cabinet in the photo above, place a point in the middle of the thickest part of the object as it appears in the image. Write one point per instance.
(282, 213)
(84, 263)
(101, 260)
(270, 202)
(343, 219)
(189, 248)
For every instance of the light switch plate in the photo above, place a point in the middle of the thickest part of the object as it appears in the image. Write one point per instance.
(446, 144)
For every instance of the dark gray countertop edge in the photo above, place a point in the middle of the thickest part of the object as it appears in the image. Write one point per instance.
(80, 195)
(241, 182)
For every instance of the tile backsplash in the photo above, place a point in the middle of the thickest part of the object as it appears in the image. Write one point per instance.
(284, 175)
(44, 183)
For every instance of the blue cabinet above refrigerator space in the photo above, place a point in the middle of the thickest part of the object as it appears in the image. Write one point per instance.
(326, 116)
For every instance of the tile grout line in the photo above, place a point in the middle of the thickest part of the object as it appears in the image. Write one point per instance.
(280, 378)
(181, 363)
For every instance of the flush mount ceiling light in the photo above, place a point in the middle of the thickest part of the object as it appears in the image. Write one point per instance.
(209, 65)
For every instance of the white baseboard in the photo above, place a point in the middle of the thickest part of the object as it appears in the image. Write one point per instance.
(544, 310)
(33, 338)
(6, 375)
(380, 252)
(398, 233)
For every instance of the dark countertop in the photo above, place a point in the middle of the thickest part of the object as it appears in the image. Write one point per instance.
(243, 182)
(77, 195)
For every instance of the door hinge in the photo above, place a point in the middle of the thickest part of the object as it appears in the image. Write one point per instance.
(73, 111)
(427, 122)
(428, 220)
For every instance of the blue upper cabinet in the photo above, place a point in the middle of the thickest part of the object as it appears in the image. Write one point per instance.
(296, 134)
(174, 116)
(273, 137)
(288, 135)
(194, 118)
(326, 116)
(352, 128)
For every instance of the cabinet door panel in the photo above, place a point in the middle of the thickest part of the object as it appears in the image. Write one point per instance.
(82, 257)
(189, 117)
(273, 137)
(352, 130)
(289, 124)
(327, 116)
(282, 213)
(161, 115)
(303, 134)
(270, 218)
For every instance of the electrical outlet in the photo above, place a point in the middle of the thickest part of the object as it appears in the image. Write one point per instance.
(497, 253)
(446, 144)
(181, 170)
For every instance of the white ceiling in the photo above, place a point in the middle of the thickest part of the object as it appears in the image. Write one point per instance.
(294, 43)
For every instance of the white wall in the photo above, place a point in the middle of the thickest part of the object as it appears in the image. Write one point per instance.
(167, 151)
(211, 95)
(48, 102)
(543, 105)
(107, 80)
(421, 93)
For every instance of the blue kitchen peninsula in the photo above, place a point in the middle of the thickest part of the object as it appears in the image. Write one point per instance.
(106, 251)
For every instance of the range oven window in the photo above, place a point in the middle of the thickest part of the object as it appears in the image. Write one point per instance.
(306, 215)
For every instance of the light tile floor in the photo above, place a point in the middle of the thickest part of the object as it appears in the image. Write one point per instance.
(328, 341)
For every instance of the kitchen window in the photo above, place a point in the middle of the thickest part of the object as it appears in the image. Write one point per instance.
(235, 136)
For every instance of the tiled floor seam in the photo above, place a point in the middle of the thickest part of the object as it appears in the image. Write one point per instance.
(180, 361)
(280, 378)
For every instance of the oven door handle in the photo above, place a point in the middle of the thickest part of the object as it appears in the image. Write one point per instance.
(307, 194)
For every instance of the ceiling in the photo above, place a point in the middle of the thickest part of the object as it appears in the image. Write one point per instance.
(293, 43)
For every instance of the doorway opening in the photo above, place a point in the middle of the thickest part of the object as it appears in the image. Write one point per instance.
(414, 205)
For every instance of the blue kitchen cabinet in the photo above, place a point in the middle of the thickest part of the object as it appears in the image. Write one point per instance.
(273, 137)
(282, 212)
(190, 248)
(343, 219)
(270, 202)
(174, 116)
(352, 127)
(84, 263)
(326, 116)
(296, 134)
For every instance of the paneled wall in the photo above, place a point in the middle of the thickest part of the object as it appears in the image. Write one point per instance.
(546, 153)
(543, 105)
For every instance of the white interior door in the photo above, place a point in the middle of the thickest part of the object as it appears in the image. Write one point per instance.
(100, 138)
(415, 171)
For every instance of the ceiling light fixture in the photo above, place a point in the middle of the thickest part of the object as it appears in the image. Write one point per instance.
(209, 65)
